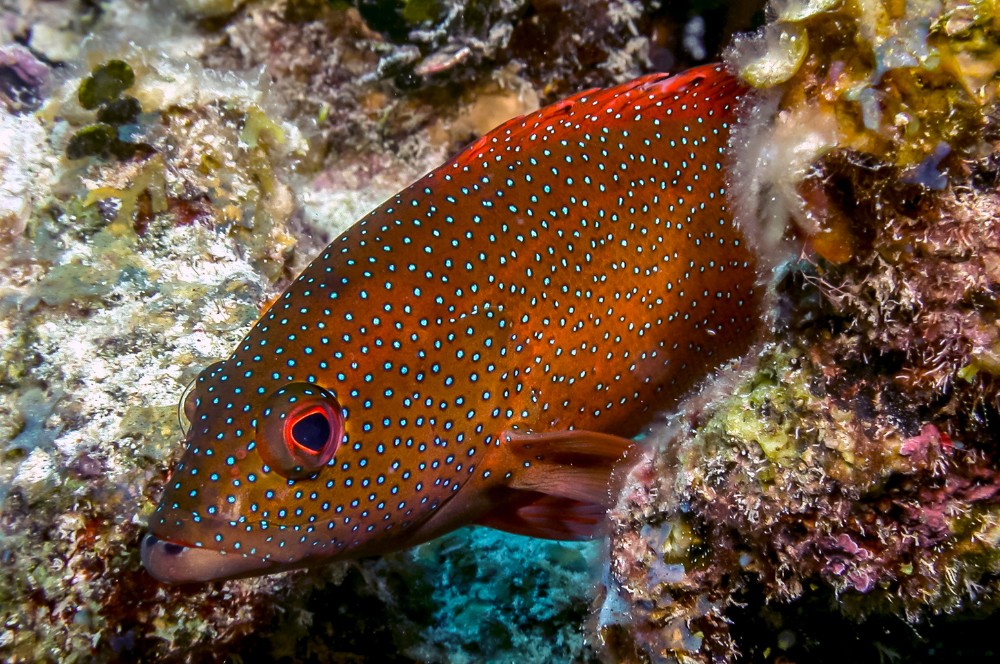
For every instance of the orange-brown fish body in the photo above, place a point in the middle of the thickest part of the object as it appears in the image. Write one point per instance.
(477, 349)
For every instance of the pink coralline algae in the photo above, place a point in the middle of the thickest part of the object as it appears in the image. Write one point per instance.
(23, 79)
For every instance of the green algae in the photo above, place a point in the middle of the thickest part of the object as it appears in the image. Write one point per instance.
(983, 360)
(77, 284)
(92, 141)
(780, 385)
(16, 363)
(154, 427)
(115, 130)
(105, 84)
(120, 111)
(256, 125)
(784, 50)
(419, 11)
(147, 184)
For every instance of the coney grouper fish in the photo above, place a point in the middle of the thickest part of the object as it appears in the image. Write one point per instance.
(477, 350)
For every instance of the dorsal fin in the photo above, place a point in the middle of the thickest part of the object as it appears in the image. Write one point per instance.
(708, 84)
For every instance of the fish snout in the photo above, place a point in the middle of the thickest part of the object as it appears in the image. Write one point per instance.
(169, 562)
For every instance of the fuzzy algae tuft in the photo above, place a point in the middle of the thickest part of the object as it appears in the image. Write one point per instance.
(850, 475)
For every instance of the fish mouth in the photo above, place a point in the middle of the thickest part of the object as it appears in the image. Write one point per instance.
(169, 562)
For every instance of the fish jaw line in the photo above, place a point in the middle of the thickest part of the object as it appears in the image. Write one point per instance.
(168, 549)
(173, 563)
(176, 560)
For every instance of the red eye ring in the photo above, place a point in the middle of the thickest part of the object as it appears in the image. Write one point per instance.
(299, 430)
(311, 430)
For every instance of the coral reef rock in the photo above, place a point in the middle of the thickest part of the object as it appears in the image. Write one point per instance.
(852, 472)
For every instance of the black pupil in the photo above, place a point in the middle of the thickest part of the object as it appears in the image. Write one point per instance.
(312, 431)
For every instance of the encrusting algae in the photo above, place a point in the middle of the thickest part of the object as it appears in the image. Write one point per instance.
(848, 474)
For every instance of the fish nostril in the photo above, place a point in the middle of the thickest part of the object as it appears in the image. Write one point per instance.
(172, 549)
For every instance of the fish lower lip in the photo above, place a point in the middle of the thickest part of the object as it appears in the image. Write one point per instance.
(170, 562)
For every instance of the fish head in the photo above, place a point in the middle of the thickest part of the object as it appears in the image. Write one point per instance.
(244, 497)
(276, 474)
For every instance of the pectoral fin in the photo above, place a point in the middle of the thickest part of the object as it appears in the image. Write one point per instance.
(548, 517)
(557, 484)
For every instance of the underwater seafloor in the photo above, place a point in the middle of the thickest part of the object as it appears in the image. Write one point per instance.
(166, 168)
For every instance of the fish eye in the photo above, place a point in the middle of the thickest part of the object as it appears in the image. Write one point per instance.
(299, 430)
(310, 431)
